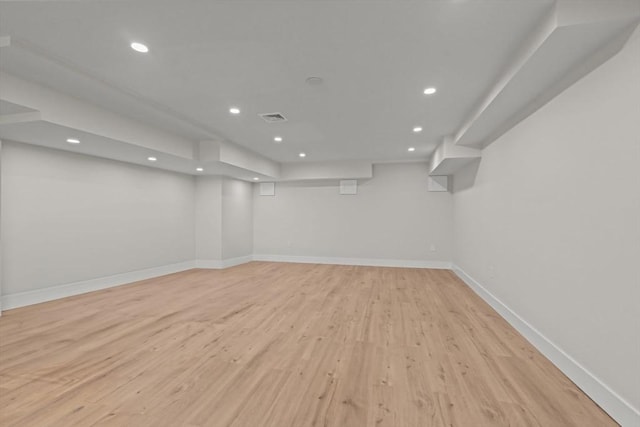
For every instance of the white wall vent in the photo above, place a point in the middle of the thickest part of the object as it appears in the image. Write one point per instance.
(267, 189)
(273, 117)
(348, 186)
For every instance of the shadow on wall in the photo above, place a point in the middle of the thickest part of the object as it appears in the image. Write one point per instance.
(465, 177)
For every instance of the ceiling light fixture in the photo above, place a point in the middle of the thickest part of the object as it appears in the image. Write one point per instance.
(73, 141)
(234, 110)
(314, 81)
(302, 154)
(411, 149)
(199, 169)
(430, 91)
(139, 47)
(151, 159)
(278, 139)
(255, 178)
(417, 129)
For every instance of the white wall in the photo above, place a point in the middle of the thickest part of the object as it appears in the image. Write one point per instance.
(393, 216)
(224, 220)
(1, 286)
(68, 217)
(237, 218)
(551, 226)
(208, 223)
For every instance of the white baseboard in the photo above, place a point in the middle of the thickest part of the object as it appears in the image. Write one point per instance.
(224, 263)
(232, 262)
(372, 262)
(22, 299)
(213, 264)
(618, 408)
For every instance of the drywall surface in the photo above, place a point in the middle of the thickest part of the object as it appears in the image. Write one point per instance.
(1, 291)
(69, 217)
(237, 218)
(208, 222)
(393, 216)
(551, 225)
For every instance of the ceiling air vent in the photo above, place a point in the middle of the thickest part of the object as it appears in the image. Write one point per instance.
(273, 117)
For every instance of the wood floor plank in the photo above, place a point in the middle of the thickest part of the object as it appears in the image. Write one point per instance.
(274, 344)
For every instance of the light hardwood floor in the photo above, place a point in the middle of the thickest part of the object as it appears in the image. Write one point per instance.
(272, 344)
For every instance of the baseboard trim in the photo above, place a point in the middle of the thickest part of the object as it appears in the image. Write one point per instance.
(217, 264)
(37, 296)
(22, 299)
(370, 262)
(618, 408)
(232, 262)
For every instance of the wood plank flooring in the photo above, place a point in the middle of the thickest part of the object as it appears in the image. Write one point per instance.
(273, 344)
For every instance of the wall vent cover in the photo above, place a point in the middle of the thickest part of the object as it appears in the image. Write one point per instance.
(273, 117)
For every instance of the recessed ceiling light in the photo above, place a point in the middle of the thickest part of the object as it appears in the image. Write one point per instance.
(139, 47)
(151, 159)
(73, 141)
(430, 91)
(410, 149)
(302, 154)
(234, 110)
(314, 80)
(255, 178)
(278, 139)
(199, 169)
(417, 129)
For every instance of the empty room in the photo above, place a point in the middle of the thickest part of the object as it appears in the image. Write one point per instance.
(320, 213)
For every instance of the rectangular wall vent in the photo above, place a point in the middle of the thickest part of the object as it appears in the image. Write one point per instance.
(348, 186)
(267, 188)
(273, 117)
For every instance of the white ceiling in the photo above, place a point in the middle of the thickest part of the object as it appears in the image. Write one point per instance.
(375, 58)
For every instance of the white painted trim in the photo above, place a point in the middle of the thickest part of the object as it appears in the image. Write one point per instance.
(372, 262)
(217, 264)
(22, 299)
(37, 296)
(214, 264)
(232, 262)
(618, 408)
